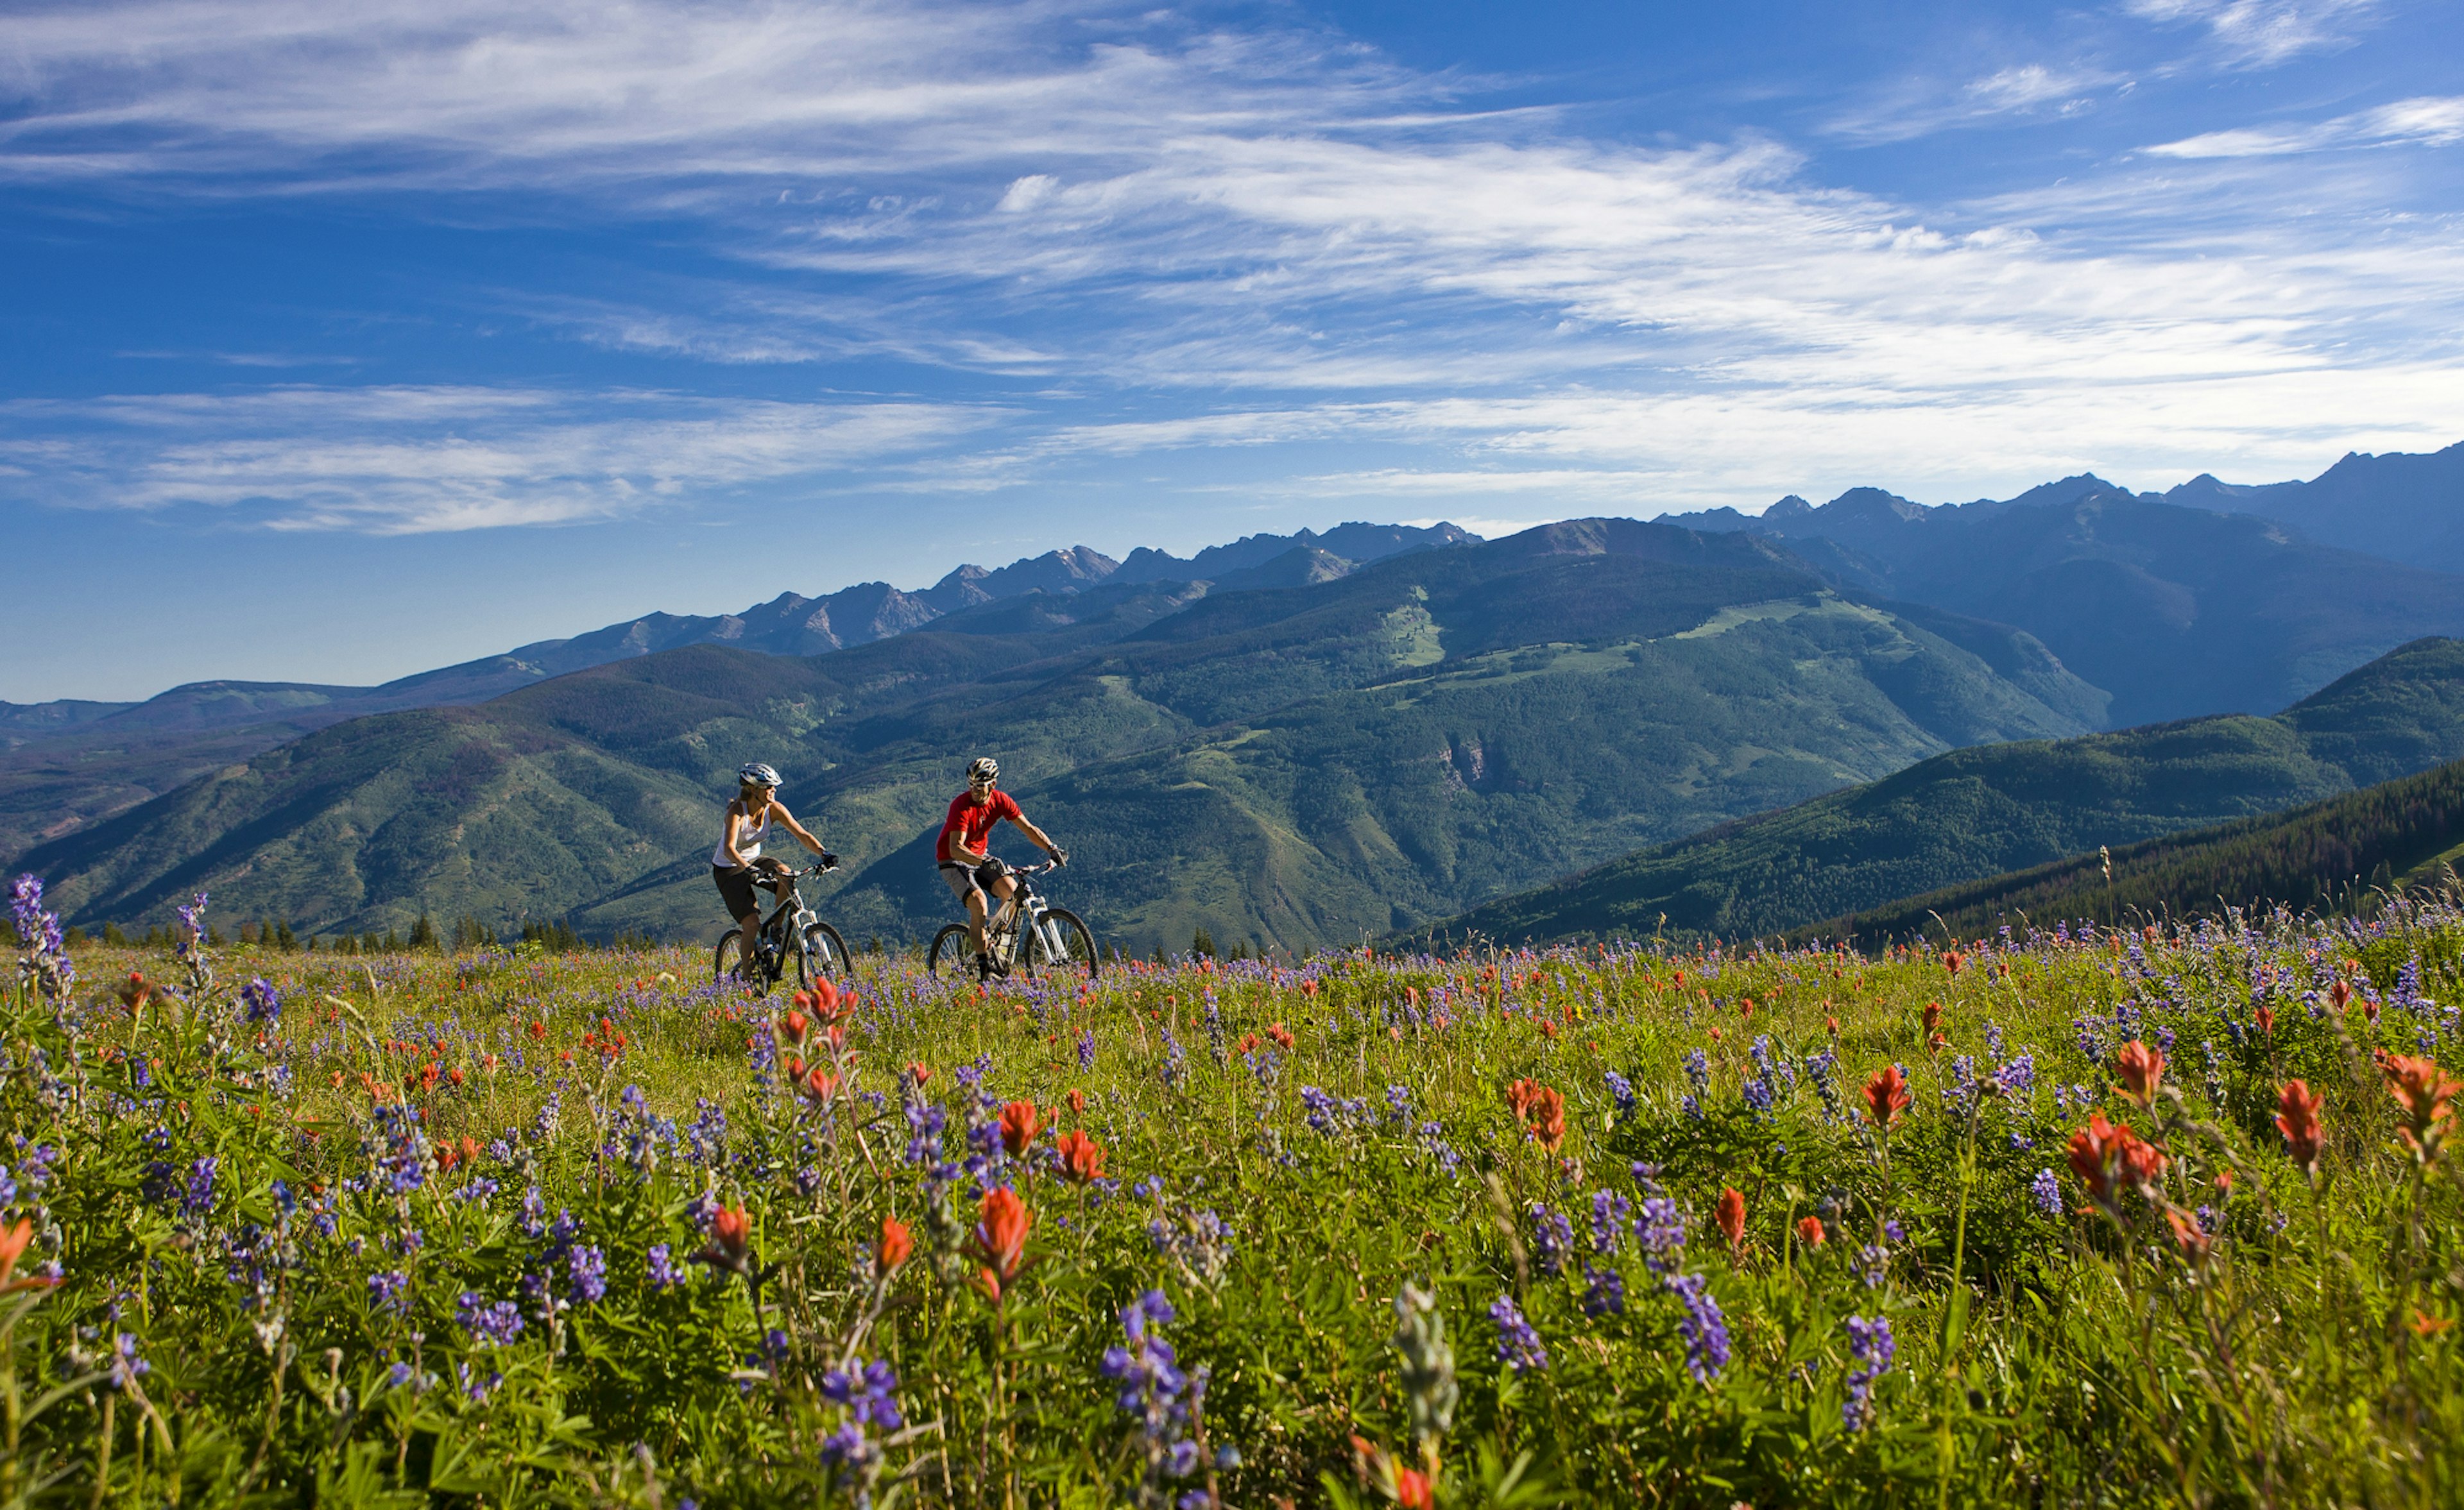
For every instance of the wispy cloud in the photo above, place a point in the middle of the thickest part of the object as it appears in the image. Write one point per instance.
(1292, 242)
(2427, 120)
(2023, 92)
(418, 460)
(2261, 33)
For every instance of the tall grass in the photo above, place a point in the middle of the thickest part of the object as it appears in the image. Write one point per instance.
(1613, 1227)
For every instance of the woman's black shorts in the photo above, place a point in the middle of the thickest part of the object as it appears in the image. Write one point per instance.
(735, 886)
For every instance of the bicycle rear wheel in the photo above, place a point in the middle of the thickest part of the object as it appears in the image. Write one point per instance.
(1077, 946)
(950, 951)
(823, 958)
(727, 961)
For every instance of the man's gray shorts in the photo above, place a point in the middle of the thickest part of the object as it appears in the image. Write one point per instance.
(966, 880)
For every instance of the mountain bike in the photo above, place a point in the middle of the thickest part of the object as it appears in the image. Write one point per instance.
(1023, 930)
(817, 952)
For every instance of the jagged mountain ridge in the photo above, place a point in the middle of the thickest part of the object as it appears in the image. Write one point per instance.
(65, 764)
(2176, 611)
(1295, 766)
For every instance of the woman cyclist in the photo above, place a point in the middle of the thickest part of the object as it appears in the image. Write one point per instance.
(737, 864)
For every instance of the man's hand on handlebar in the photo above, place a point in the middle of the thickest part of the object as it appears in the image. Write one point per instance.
(1060, 856)
(828, 861)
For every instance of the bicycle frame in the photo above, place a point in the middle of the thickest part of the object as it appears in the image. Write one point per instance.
(1007, 927)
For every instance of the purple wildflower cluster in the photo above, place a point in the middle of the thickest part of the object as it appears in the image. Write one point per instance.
(1164, 1400)
(1518, 1346)
(867, 1393)
(1871, 1345)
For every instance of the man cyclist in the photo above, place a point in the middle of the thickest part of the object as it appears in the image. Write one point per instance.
(737, 864)
(964, 852)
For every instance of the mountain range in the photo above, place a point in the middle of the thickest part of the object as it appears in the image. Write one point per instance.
(1291, 740)
(64, 764)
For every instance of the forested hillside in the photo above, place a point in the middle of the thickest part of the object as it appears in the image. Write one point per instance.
(1980, 812)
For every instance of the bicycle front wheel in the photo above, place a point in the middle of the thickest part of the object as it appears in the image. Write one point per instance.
(1061, 942)
(823, 958)
(950, 950)
(727, 961)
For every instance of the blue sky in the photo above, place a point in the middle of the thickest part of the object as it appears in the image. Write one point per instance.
(342, 342)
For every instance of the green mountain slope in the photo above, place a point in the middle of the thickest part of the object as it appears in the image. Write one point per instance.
(1981, 811)
(2324, 856)
(1290, 766)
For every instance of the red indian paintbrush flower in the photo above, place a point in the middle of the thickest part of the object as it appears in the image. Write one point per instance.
(1081, 1157)
(2142, 1070)
(13, 1247)
(2094, 1151)
(793, 1027)
(1077, 1103)
(1809, 1231)
(999, 1241)
(1412, 1490)
(1953, 960)
(2338, 994)
(2297, 1119)
(1886, 1095)
(1018, 1123)
(1730, 1215)
(896, 1245)
(731, 1240)
(2423, 1095)
(1547, 1118)
(1932, 1018)
(135, 990)
(2267, 1022)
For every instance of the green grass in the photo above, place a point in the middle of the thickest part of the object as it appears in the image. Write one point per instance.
(2070, 1359)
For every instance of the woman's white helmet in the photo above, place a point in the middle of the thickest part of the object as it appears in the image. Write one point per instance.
(756, 773)
(985, 769)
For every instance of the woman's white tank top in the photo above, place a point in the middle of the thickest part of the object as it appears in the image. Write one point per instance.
(748, 844)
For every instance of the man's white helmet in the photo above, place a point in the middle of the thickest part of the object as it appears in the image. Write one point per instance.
(985, 769)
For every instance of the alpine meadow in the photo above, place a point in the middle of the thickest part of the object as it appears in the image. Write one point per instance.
(866, 755)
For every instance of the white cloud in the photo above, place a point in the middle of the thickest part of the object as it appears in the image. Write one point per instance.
(1920, 107)
(2264, 32)
(1293, 244)
(417, 460)
(2426, 121)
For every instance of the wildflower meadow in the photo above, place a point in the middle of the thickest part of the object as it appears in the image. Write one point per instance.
(2159, 1216)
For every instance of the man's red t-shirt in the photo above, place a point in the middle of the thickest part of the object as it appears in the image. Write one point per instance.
(973, 823)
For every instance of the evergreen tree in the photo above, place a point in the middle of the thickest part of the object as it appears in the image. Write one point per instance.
(1201, 944)
(422, 934)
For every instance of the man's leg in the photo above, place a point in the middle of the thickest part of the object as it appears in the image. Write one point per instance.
(976, 919)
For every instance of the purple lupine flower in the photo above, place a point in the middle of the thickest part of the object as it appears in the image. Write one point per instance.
(1553, 1238)
(870, 1390)
(1660, 1229)
(493, 1325)
(475, 1388)
(1087, 1050)
(1609, 1212)
(587, 1267)
(390, 1292)
(1621, 1091)
(1153, 1389)
(1870, 1344)
(126, 1367)
(2046, 1192)
(1603, 1292)
(664, 1273)
(47, 952)
(199, 1199)
(261, 1001)
(1703, 1328)
(1518, 1346)
(2015, 1078)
